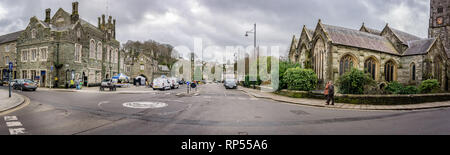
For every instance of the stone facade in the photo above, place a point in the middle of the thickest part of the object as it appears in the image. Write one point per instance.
(74, 48)
(139, 64)
(387, 55)
(8, 54)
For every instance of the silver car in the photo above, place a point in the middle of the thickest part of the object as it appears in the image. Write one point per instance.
(230, 84)
(24, 84)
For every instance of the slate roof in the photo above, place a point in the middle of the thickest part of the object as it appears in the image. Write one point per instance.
(419, 47)
(10, 37)
(372, 31)
(359, 39)
(405, 37)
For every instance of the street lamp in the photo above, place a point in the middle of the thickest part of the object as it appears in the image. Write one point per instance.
(254, 39)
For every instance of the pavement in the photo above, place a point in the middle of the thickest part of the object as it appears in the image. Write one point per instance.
(321, 103)
(7, 103)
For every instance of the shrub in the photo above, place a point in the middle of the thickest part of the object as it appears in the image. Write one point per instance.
(300, 79)
(394, 88)
(410, 90)
(429, 86)
(353, 82)
(284, 66)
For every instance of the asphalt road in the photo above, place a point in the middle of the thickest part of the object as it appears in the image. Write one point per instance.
(215, 111)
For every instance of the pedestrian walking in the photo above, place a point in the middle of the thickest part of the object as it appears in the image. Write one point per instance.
(329, 92)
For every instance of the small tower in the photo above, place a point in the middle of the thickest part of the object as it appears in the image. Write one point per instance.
(440, 21)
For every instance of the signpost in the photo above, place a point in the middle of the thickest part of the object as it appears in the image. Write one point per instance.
(9, 77)
(188, 87)
(51, 74)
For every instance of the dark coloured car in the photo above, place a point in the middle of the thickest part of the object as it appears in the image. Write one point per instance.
(24, 84)
(230, 84)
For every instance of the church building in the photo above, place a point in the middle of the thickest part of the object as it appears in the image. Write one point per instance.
(387, 55)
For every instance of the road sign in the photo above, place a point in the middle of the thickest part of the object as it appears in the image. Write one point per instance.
(10, 66)
(51, 68)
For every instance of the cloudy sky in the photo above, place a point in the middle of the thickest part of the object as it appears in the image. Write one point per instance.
(224, 22)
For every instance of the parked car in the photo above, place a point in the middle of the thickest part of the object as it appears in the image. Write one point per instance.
(173, 83)
(108, 83)
(24, 84)
(161, 84)
(230, 84)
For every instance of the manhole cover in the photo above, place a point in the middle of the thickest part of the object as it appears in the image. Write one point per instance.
(145, 105)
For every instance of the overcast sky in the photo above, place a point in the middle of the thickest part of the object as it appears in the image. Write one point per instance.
(224, 22)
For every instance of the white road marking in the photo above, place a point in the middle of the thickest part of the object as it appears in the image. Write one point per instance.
(13, 124)
(17, 131)
(11, 118)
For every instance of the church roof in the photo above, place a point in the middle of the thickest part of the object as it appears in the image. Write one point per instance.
(359, 39)
(405, 37)
(419, 47)
(371, 30)
(10, 37)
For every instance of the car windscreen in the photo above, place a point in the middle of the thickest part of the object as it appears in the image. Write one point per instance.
(28, 81)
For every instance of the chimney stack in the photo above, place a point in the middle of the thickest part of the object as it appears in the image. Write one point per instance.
(47, 15)
(103, 20)
(75, 15)
(99, 23)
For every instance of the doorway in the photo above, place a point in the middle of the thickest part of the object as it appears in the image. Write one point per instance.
(43, 78)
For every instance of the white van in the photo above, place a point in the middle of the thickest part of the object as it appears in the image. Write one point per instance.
(174, 83)
(161, 84)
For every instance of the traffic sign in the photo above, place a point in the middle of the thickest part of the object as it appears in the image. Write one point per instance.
(51, 68)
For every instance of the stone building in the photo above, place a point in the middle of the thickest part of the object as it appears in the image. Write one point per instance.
(387, 55)
(65, 47)
(8, 54)
(139, 64)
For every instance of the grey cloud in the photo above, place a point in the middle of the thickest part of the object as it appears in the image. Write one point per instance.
(224, 22)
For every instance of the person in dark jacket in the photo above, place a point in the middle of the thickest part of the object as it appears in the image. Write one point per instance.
(330, 93)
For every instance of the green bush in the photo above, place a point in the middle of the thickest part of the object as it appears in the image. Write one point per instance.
(429, 86)
(410, 90)
(353, 82)
(300, 79)
(394, 88)
(284, 66)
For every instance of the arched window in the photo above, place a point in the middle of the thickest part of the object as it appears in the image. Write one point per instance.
(370, 66)
(99, 50)
(438, 69)
(296, 59)
(346, 64)
(389, 71)
(92, 49)
(413, 72)
(319, 58)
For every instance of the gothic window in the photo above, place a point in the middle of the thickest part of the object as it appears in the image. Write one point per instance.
(370, 66)
(99, 50)
(346, 64)
(413, 72)
(389, 71)
(77, 53)
(92, 49)
(296, 58)
(319, 58)
(438, 69)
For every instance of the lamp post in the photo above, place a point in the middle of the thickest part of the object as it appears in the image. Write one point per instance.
(254, 45)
